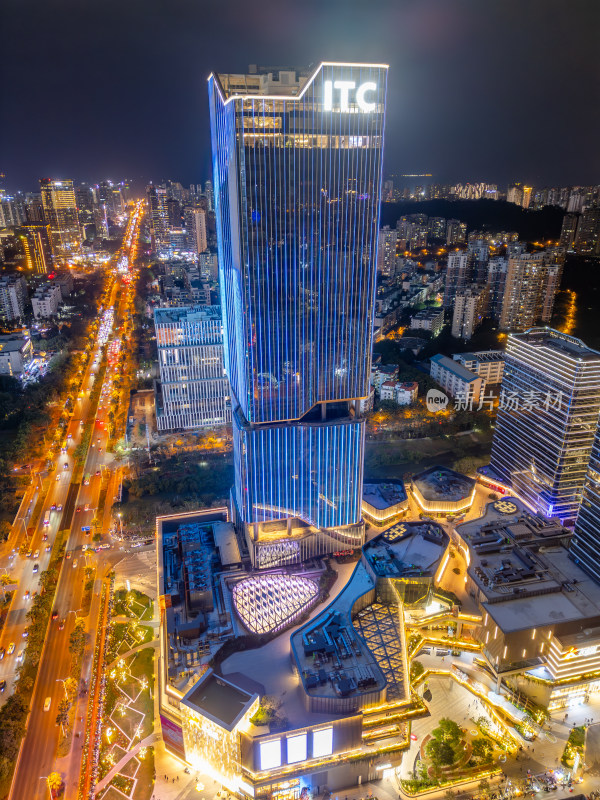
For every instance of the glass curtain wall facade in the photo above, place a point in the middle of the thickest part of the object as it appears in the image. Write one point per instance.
(194, 390)
(585, 544)
(297, 180)
(547, 419)
(60, 212)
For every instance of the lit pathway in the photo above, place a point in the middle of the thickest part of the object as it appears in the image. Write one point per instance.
(149, 740)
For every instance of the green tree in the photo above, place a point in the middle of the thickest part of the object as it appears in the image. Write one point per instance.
(439, 753)
(416, 669)
(448, 731)
(482, 749)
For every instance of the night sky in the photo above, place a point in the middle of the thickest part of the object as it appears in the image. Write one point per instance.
(494, 90)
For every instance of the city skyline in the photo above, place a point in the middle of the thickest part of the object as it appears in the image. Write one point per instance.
(470, 85)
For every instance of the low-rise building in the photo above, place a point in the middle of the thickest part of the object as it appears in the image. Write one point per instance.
(16, 352)
(430, 319)
(488, 364)
(457, 381)
(381, 373)
(402, 393)
(46, 300)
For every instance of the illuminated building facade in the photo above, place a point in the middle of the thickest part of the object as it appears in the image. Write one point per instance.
(585, 546)
(194, 391)
(297, 179)
(547, 420)
(60, 211)
(159, 218)
(36, 240)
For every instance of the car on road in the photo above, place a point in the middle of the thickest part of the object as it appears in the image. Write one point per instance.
(59, 507)
(58, 477)
(69, 554)
(66, 465)
(53, 507)
(61, 624)
(98, 472)
(2, 653)
(78, 509)
(26, 595)
(2, 685)
(26, 633)
(69, 436)
(48, 548)
(44, 537)
(28, 554)
(55, 614)
(36, 567)
(11, 649)
(47, 703)
(74, 563)
(86, 507)
(36, 554)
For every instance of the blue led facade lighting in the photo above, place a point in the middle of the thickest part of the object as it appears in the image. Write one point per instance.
(297, 165)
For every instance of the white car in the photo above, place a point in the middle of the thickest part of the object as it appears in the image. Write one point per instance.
(47, 703)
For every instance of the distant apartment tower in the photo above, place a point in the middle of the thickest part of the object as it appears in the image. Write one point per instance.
(46, 300)
(470, 307)
(532, 280)
(194, 391)
(456, 232)
(459, 273)
(386, 254)
(13, 297)
(587, 241)
(36, 238)
(569, 230)
(585, 544)
(195, 226)
(547, 420)
(60, 212)
(159, 218)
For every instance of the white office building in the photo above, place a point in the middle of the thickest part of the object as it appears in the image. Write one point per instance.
(193, 390)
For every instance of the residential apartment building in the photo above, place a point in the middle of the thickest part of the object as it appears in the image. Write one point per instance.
(401, 393)
(193, 391)
(386, 252)
(13, 297)
(16, 353)
(429, 319)
(470, 307)
(488, 364)
(532, 281)
(458, 382)
(547, 419)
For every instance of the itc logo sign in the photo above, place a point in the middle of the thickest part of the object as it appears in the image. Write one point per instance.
(342, 90)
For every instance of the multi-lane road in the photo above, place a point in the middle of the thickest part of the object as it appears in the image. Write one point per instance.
(79, 501)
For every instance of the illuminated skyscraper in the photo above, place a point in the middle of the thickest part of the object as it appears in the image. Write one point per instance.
(547, 419)
(36, 246)
(159, 218)
(297, 181)
(60, 211)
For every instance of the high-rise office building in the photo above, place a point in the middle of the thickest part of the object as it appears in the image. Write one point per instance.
(35, 239)
(585, 544)
(60, 212)
(194, 390)
(532, 281)
(547, 419)
(159, 218)
(297, 180)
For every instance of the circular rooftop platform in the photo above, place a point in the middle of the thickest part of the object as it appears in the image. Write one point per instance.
(442, 490)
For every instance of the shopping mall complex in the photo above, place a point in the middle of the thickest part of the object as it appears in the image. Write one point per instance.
(282, 681)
